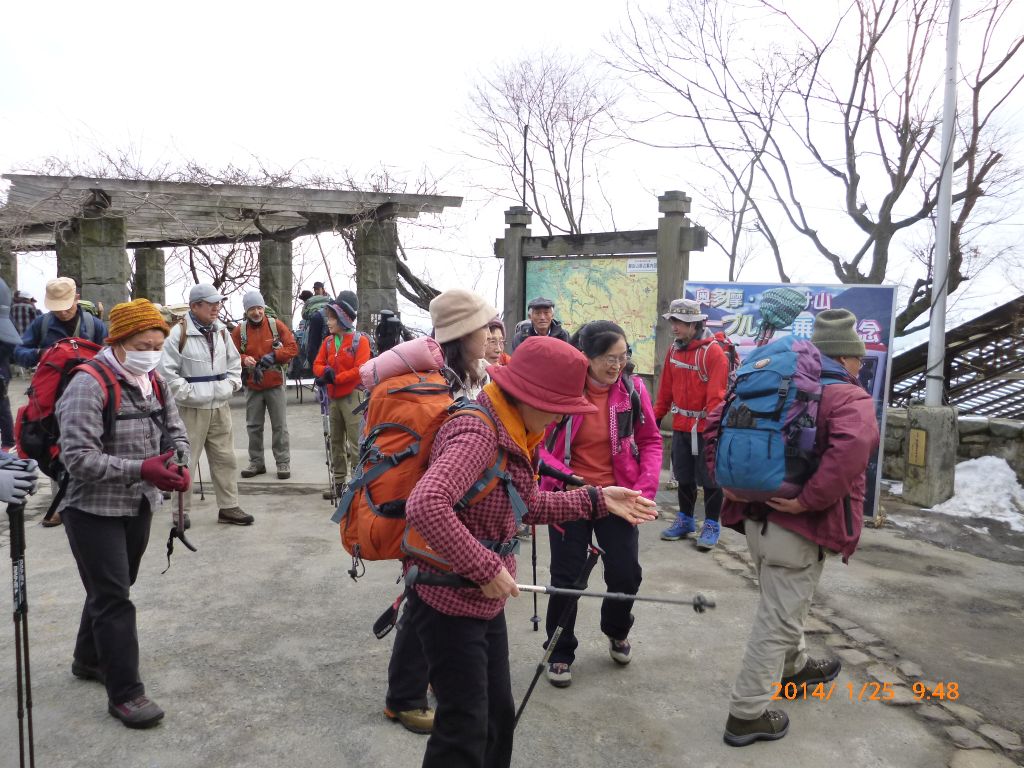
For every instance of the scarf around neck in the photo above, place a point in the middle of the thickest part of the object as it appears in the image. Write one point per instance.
(509, 416)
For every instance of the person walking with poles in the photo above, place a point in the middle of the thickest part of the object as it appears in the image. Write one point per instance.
(203, 370)
(265, 345)
(463, 631)
(619, 444)
(693, 383)
(118, 461)
(336, 367)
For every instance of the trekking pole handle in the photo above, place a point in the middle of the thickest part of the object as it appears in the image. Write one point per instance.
(432, 579)
(16, 515)
(546, 470)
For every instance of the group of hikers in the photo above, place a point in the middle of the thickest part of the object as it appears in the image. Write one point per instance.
(570, 403)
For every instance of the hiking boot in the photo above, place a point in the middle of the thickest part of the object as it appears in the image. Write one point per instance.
(523, 532)
(620, 651)
(284, 471)
(559, 675)
(234, 516)
(815, 671)
(337, 492)
(84, 671)
(140, 712)
(252, 470)
(680, 529)
(671, 484)
(415, 720)
(771, 725)
(53, 522)
(708, 535)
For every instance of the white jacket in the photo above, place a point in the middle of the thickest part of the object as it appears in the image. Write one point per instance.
(219, 377)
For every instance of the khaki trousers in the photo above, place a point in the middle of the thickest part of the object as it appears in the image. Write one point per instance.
(788, 569)
(258, 403)
(210, 430)
(344, 435)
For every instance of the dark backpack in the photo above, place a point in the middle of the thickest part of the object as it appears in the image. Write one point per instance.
(767, 433)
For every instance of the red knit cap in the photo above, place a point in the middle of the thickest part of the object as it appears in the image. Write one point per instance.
(131, 317)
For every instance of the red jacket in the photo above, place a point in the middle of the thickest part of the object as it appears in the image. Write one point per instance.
(834, 495)
(693, 379)
(258, 341)
(344, 362)
(463, 449)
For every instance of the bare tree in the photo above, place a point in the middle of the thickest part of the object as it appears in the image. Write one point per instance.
(545, 122)
(840, 122)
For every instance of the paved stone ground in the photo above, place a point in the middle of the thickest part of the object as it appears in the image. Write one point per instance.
(259, 648)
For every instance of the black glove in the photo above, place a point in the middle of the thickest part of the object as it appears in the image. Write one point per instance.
(328, 376)
(268, 360)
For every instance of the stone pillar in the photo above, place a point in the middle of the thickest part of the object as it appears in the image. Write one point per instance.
(510, 248)
(677, 237)
(929, 455)
(150, 275)
(276, 277)
(376, 253)
(9, 265)
(92, 253)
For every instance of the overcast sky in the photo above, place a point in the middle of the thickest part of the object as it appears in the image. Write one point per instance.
(324, 87)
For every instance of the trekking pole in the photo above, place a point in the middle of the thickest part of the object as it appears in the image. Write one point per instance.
(568, 479)
(16, 513)
(593, 555)
(199, 471)
(178, 529)
(325, 418)
(416, 576)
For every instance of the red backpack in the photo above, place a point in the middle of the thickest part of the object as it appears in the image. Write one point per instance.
(36, 430)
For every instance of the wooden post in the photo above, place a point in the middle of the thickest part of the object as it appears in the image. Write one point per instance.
(150, 281)
(676, 238)
(510, 248)
(376, 255)
(276, 277)
(92, 252)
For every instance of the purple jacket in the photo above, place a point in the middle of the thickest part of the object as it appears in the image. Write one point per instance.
(636, 459)
(834, 494)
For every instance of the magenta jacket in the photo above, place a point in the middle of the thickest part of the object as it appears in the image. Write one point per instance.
(834, 495)
(636, 460)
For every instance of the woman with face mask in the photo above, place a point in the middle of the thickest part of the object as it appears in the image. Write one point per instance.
(118, 462)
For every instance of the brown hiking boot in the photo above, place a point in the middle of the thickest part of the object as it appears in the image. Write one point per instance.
(771, 725)
(234, 516)
(53, 522)
(140, 712)
(254, 469)
(415, 720)
(336, 494)
(815, 671)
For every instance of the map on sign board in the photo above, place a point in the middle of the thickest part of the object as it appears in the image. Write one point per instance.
(623, 290)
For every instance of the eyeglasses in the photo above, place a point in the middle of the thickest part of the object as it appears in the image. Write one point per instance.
(610, 360)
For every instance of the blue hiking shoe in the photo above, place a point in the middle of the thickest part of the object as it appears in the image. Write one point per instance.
(680, 529)
(708, 535)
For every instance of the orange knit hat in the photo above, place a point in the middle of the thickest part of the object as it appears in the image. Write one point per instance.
(131, 317)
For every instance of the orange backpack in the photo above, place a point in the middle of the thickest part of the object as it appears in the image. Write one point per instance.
(402, 418)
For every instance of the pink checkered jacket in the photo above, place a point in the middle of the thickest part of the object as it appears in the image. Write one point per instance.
(463, 449)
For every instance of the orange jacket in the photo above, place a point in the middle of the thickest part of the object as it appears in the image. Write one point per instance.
(258, 341)
(683, 382)
(343, 361)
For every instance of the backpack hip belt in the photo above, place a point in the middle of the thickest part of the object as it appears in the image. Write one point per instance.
(198, 379)
(696, 416)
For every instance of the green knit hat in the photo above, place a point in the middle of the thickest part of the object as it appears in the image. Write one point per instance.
(834, 334)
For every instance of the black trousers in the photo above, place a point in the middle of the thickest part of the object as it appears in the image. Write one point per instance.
(108, 551)
(6, 419)
(691, 470)
(407, 669)
(468, 663)
(622, 573)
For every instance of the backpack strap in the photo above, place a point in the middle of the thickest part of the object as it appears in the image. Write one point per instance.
(243, 337)
(183, 338)
(45, 328)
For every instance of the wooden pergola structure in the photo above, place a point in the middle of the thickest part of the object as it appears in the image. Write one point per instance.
(984, 365)
(91, 221)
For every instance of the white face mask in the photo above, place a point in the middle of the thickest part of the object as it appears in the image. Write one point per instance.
(141, 363)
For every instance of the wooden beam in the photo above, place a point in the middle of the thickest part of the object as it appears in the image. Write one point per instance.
(643, 241)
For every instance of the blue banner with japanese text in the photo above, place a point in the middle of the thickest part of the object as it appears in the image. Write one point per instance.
(754, 313)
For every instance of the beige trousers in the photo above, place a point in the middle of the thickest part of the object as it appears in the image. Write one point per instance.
(788, 569)
(210, 430)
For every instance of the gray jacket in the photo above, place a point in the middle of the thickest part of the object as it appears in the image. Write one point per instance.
(196, 378)
(106, 479)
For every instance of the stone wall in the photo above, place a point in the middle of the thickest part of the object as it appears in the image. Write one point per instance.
(979, 436)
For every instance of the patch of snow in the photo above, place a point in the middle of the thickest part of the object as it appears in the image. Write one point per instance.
(986, 487)
(983, 530)
(896, 488)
